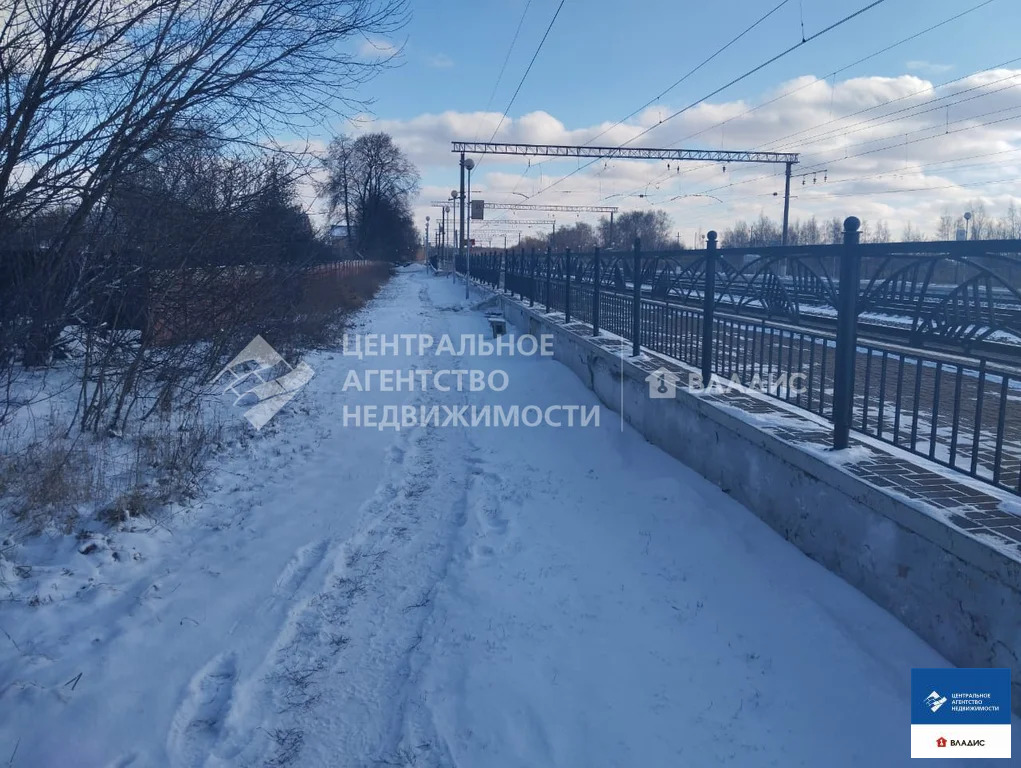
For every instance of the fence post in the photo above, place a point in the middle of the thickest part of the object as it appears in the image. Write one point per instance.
(549, 269)
(708, 308)
(595, 292)
(636, 299)
(847, 333)
(531, 283)
(567, 281)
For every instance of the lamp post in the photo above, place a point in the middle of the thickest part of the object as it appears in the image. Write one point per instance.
(446, 237)
(468, 164)
(967, 225)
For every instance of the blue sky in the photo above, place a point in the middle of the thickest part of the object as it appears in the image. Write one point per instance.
(603, 60)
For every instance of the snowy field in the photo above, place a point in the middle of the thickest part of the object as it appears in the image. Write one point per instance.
(472, 597)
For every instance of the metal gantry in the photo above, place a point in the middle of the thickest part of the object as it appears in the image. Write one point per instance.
(787, 159)
(552, 208)
(513, 222)
(623, 153)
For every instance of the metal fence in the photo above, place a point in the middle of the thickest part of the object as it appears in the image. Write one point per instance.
(915, 344)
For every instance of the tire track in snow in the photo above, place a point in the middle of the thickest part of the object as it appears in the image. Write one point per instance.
(200, 717)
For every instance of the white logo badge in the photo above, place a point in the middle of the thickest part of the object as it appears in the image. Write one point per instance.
(934, 701)
(662, 384)
(253, 385)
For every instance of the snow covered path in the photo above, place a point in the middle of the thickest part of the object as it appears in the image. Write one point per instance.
(453, 596)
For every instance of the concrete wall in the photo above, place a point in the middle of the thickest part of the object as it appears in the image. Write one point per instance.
(960, 595)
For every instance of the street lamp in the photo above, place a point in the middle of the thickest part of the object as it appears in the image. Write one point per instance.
(469, 164)
(967, 225)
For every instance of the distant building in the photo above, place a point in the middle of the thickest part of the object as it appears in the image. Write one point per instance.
(340, 232)
(341, 240)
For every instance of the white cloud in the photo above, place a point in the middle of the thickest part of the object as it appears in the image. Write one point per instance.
(440, 61)
(929, 67)
(892, 148)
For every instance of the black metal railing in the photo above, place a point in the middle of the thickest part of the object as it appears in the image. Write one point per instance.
(915, 344)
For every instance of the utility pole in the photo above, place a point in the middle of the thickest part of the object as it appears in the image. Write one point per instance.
(443, 233)
(453, 225)
(786, 202)
(460, 239)
(469, 164)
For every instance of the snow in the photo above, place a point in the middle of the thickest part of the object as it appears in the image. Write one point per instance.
(347, 596)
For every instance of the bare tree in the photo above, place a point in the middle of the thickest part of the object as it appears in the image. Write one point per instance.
(835, 231)
(1010, 225)
(90, 86)
(653, 227)
(337, 186)
(911, 234)
(980, 221)
(880, 233)
(947, 227)
(376, 181)
(577, 237)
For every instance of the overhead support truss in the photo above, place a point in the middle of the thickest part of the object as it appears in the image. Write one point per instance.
(513, 222)
(624, 153)
(555, 208)
(787, 159)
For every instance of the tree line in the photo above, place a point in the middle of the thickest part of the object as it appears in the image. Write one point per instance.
(980, 225)
(652, 226)
(138, 169)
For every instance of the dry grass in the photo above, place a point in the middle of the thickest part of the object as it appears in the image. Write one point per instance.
(58, 483)
(65, 480)
(327, 298)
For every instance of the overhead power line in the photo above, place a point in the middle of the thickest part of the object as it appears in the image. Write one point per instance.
(503, 67)
(527, 70)
(732, 82)
(786, 94)
(835, 72)
(677, 82)
(692, 71)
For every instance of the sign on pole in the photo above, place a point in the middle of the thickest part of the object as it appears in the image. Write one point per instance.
(478, 207)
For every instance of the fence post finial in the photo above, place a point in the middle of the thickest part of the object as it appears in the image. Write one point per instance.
(636, 299)
(708, 307)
